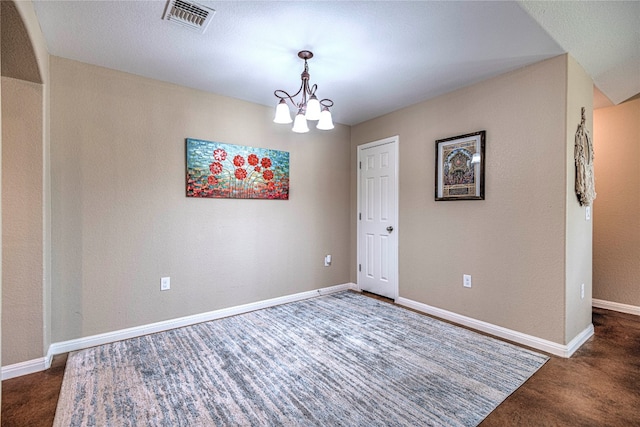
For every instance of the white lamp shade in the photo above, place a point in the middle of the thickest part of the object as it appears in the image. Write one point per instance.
(325, 122)
(300, 124)
(283, 115)
(313, 108)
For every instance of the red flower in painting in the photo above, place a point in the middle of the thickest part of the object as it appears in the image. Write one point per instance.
(215, 168)
(268, 175)
(238, 160)
(257, 168)
(219, 154)
(266, 162)
(241, 173)
(212, 180)
(271, 186)
(252, 159)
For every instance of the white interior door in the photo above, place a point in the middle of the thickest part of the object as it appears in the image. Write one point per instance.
(377, 217)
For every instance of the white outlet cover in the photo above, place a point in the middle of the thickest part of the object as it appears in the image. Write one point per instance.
(165, 283)
(466, 280)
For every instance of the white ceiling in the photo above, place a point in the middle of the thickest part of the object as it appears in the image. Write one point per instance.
(371, 57)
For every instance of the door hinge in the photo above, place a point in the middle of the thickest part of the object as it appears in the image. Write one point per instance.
(359, 267)
(360, 216)
(360, 165)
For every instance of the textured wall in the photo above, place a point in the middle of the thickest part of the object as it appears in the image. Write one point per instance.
(579, 231)
(39, 46)
(22, 280)
(616, 240)
(121, 220)
(513, 242)
(23, 48)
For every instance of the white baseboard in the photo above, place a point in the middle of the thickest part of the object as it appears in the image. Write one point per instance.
(616, 306)
(578, 340)
(123, 334)
(36, 365)
(24, 368)
(498, 331)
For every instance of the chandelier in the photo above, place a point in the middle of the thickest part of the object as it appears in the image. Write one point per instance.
(309, 107)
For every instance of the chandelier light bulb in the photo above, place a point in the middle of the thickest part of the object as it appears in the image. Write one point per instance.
(283, 115)
(325, 122)
(313, 108)
(300, 123)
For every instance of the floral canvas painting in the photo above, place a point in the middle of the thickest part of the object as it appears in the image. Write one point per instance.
(218, 170)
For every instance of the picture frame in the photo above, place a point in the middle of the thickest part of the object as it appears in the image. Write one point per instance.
(226, 171)
(460, 167)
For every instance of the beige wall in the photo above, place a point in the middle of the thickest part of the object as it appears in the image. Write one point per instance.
(513, 242)
(22, 311)
(579, 231)
(616, 242)
(121, 220)
(26, 219)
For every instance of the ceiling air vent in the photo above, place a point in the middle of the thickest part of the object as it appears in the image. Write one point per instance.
(189, 14)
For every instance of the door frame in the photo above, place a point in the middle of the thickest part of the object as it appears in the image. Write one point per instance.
(394, 140)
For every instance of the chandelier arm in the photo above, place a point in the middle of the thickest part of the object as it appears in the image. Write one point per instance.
(326, 103)
(285, 95)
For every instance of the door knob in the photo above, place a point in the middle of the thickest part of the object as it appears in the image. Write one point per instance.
(389, 229)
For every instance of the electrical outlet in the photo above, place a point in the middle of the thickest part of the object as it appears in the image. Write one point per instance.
(165, 283)
(582, 291)
(466, 280)
(587, 213)
(327, 260)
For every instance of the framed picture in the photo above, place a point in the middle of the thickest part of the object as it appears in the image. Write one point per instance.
(460, 167)
(218, 170)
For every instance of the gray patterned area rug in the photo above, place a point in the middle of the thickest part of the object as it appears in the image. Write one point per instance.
(336, 360)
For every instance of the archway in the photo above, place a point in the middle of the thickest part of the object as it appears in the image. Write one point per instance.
(22, 189)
